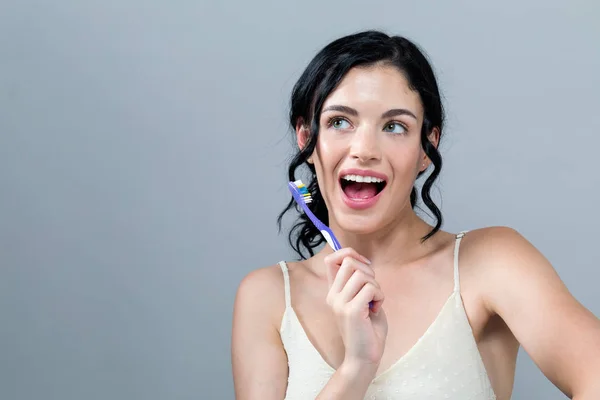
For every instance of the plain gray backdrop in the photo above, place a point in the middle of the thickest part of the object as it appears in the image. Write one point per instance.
(143, 149)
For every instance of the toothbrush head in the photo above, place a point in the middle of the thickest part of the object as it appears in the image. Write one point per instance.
(301, 191)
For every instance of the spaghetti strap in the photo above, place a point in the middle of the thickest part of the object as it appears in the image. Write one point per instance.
(456, 248)
(286, 282)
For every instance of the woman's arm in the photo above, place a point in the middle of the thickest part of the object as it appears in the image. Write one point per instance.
(561, 336)
(259, 361)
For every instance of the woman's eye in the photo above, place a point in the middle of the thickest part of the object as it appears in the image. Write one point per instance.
(340, 124)
(395, 127)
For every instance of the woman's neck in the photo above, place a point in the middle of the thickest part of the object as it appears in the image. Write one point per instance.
(395, 244)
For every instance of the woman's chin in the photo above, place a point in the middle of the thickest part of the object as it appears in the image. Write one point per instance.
(359, 225)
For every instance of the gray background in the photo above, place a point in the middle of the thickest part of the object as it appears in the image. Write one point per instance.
(142, 165)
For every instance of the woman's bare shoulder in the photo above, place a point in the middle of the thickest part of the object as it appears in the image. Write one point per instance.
(493, 243)
(490, 257)
(261, 292)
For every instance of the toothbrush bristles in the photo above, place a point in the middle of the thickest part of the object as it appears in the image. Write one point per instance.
(303, 191)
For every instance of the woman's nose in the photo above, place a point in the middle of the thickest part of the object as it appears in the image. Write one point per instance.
(365, 146)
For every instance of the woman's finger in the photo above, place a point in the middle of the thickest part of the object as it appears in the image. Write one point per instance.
(348, 267)
(354, 285)
(368, 293)
(334, 261)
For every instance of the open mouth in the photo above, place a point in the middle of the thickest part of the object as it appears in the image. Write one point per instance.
(358, 187)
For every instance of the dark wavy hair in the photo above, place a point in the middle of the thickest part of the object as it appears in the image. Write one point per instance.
(320, 78)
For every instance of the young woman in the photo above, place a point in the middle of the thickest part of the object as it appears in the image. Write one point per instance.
(404, 310)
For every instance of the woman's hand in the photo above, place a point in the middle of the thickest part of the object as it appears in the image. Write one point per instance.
(355, 298)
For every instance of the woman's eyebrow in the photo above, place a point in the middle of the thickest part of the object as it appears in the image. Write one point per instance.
(388, 114)
(398, 111)
(340, 108)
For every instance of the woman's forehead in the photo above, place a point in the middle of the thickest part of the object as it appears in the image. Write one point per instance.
(375, 88)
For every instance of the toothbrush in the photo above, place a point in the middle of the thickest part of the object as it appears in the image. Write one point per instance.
(303, 198)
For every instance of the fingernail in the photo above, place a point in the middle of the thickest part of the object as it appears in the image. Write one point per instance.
(366, 260)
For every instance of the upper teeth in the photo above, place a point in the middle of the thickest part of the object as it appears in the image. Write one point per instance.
(359, 178)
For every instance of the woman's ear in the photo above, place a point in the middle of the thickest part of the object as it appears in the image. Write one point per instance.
(302, 136)
(434, 139)
(302, 133)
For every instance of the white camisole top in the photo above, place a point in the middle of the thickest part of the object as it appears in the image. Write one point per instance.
(445, 363)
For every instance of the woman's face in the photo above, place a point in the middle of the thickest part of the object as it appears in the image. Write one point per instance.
(368, 152)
